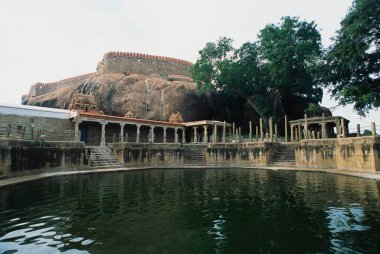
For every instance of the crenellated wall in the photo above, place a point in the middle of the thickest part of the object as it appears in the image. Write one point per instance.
(42, 88)
(137, 63)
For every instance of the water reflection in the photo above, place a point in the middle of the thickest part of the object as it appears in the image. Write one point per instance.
(192, 211)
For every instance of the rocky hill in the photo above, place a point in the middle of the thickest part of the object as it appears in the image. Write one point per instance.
(151, 87)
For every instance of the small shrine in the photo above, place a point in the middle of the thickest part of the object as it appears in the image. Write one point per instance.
(176, 118)
(129, 114)
(84, 102)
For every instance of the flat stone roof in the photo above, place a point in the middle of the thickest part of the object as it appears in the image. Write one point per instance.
(87, 116)
(25, 110)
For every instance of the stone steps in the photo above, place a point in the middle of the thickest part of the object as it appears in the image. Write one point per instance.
(101, 157)
(284, 156)
(195, 155)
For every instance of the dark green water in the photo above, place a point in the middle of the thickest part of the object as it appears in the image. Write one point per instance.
(192, 211)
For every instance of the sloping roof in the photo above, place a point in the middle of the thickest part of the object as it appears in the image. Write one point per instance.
(24, 110)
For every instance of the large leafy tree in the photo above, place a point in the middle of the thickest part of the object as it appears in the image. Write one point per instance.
(290, 53)
(270, 75)
(352, 68)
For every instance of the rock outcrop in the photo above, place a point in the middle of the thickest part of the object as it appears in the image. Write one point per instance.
(125, 82)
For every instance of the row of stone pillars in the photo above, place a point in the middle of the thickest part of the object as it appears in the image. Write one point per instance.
(272, 135)
(214, 133)
(138, 126)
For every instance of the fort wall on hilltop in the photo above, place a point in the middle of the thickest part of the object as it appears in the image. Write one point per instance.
(119, 62)
(136, 63)
(42, 88)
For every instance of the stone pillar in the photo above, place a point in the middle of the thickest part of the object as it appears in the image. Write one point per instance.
(261, 130)
(291, 133)
(358, 130)
(215, 134)
(103, 137)
(138, 126)
(176, 135)
(224, 132)
(164, 138)
(299, 131)
(271, 129)
(306, 128)
(183, 136)
(286, 128)
(275, 132)
(250, 131)
(257, 133)
(233, 129)
(205, 139)
(76, 131)
(152, 133)
(337, 123)
(323, 126)
(343, 128)
(230, 133)
(195, 135)
(122, 132)
(373, 128)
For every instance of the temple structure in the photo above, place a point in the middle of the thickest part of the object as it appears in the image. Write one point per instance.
(318, 127)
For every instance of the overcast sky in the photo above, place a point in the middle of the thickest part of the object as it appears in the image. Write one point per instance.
(49, 40)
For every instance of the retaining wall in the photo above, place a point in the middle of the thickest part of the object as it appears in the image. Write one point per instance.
(359, 154)
(132, 154)
(254, 154)
(20, 157)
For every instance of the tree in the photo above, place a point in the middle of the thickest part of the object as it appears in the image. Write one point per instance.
(272, 76)
(290, 53)
(352, 69)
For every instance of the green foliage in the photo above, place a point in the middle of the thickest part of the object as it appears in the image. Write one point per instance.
(268, 75)
(352, 68)
(313, 109)
(367, 133)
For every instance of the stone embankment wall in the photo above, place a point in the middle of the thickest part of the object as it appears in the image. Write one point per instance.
(20, 157)
(136, 63)
(43, 88)
(133, 154)
(361, 154)
(235, 154)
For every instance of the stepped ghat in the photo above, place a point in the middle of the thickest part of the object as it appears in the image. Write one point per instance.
(137, 63)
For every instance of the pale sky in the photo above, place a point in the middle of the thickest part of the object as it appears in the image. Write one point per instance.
(49, 40)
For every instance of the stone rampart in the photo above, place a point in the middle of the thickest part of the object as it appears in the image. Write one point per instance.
(359, 154)
(43, 88)
(136, 63)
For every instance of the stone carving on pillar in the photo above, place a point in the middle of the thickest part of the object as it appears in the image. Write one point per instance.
(176, 118)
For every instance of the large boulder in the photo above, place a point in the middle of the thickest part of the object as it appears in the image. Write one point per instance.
(153, 97)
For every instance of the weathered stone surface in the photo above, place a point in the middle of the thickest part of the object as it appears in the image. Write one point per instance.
(359, 154)
(150, 97)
